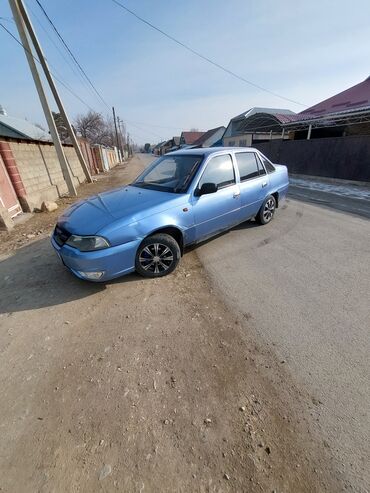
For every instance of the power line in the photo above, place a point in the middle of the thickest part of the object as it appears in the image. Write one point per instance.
(71, 54)
(145, 130)
(77, 73)
(53, 74)
(203, 57)
(154, 126)
(62, 54)
(65, 85)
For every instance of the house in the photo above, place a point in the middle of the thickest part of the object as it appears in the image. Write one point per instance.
(157, 148)
(256, 125)
(329, 139)
(22, 129)
(188, 138)
(171, 145)
(345, 113)
(211, 138)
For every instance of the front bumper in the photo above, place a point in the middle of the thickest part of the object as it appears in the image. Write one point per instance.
(113, 261)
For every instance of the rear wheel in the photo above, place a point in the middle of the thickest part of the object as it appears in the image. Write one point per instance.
(157, 256)
(267, 211)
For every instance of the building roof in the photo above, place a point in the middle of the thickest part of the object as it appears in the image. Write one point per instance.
(354, 98)
(21, 129)
(160, 144)
(203, 138)
(259, 120)
(206, 151)
(256, 109)
(191, 137)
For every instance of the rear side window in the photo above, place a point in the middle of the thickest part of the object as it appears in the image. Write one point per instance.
(247, 164)
(261, 169)
(219, 170)
(270, 168)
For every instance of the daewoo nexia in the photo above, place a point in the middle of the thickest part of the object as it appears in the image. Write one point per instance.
(182, 198)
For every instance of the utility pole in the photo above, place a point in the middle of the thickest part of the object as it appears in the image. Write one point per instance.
(115, 127)
(44, 102)
(53, 88)
(122, 140)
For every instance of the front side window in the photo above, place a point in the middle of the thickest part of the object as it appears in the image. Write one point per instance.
(219, 170)
(170, 173)
(247, 164)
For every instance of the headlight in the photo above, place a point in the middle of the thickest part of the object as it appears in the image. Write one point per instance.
(87, 243)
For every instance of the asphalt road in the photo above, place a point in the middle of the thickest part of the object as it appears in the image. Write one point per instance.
(351, 204)
(303, 283)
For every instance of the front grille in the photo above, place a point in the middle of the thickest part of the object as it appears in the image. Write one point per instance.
(61, 235)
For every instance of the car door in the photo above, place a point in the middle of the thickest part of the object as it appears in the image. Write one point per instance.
(253, 183)
(217, 211)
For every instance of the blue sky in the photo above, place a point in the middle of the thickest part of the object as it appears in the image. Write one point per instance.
(306, 51)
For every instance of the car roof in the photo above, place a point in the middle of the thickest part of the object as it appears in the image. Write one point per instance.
(206, 151)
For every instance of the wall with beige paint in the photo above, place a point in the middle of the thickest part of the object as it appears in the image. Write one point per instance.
(40, 171)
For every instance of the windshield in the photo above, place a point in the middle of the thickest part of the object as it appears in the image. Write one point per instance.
(170, 173)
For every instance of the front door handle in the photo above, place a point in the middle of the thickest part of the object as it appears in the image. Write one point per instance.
(264, 184)
(236, 194)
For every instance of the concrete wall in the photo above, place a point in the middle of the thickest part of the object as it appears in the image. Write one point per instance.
(89, 155)
(40, 171)
(105, 158)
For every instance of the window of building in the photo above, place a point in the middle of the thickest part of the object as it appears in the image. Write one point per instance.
(232, 143)
(247, 164)
(243, 143)
(219, 170)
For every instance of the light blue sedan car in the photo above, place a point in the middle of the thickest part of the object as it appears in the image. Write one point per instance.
(182, 198)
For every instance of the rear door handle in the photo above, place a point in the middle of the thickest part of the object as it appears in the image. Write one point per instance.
(264, 184)
(236, 194)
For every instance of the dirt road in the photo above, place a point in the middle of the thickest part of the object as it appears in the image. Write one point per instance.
(141, 385)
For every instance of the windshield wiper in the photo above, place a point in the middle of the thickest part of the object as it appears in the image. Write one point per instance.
(140, 184)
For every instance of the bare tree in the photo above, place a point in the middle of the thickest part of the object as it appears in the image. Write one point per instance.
(95, 128)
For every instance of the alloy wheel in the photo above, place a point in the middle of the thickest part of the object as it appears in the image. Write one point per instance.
(269, 209)
(156, 258)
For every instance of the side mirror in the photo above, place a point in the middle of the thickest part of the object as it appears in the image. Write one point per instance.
(207, 188)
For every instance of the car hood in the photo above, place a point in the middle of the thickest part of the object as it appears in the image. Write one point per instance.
(128, 204)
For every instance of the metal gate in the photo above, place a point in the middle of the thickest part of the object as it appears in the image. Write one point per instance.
(8, 198)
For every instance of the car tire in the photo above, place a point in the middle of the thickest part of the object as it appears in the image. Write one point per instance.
(267, 210)
(157, 256)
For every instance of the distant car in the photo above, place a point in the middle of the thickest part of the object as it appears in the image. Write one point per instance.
(182, 198)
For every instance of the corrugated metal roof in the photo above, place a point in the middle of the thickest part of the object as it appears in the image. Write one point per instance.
(191, 137)
(23, 128)
(355, 97)
(271, 111)
(207, 135)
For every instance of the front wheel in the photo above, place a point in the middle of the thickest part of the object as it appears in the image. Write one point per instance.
(157, 256)
(267, 211)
